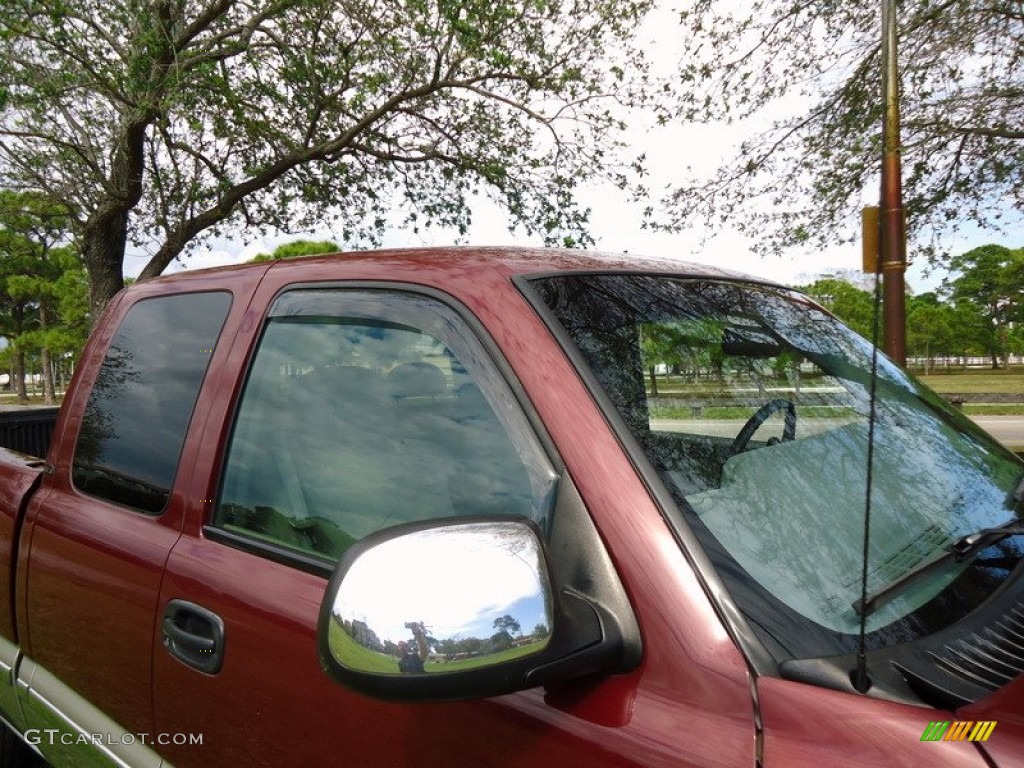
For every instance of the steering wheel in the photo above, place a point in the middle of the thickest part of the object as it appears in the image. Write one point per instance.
(760, 415)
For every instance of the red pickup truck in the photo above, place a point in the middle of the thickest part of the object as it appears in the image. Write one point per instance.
(464, 507)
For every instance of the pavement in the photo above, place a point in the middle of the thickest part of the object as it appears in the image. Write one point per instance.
(1009, 430)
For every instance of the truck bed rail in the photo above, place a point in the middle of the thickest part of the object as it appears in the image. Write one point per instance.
(28, 430)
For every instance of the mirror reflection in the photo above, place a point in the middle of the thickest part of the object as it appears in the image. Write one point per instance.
(443, 599)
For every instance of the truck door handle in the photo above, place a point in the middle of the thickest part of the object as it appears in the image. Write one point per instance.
(194, 635)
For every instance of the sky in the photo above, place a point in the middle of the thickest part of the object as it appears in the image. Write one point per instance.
(460, 579)
(617, 227)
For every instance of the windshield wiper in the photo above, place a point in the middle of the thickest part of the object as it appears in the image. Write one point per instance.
(962, 549)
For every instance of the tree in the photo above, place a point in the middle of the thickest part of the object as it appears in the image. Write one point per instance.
(662, 344)
(990, 279)
(508, 624)
(499, 641)
(695, 344)
(298, 248)
(160, 122)
(932, 328)
(42, 285)
(802, 181)
(1016, 339)
(57, 292)
(851, 304)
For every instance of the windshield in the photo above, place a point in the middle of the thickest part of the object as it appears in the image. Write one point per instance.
(753, 406)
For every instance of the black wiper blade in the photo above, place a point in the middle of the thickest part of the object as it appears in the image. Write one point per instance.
(972, 543)
(956, 552)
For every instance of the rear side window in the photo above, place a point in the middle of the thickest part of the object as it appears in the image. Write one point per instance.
(366, 409)
(141, 403)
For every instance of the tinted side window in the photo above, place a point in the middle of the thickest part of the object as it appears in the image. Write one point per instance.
(140, 406)
(367, 409)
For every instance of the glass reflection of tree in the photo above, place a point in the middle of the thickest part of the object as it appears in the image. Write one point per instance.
(362, 634)
(507, 626)
(98, 425)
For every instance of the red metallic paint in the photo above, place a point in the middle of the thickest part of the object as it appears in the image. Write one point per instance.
(271, 705)
(101, 575)
(692, 675)
(91, 598)
(95, 570)
(89, 611)
(1006, 706)
(17, 480)
(806, 725)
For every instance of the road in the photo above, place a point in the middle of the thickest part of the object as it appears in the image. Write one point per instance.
(1009, 430)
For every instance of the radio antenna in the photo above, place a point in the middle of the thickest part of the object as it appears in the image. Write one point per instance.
(890, 260)
(861, 681)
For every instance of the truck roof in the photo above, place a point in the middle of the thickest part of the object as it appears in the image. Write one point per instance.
(467, 260)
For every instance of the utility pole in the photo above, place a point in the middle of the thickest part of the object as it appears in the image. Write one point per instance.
(892, 221)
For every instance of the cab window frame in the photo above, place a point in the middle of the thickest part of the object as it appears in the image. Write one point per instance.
(474, 330)
(206, 347)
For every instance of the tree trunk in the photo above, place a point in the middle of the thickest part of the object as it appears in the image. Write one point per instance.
(49, 393)
(49, 396)
(103, 243)
(19, 377)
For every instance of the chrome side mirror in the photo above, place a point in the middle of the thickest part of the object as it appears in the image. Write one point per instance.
(442, 599)
(465, 607)
(450, 609)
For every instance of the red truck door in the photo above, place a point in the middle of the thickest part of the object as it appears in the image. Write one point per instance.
(361, 409)
(100, 530)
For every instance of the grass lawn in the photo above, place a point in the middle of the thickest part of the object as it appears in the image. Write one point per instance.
(10, 398)
(480, 661)
(373, 661)
(974, 381)
(977, 381)
(993, 409)
(669, 411)
(369, 661)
